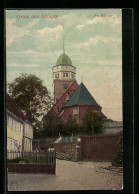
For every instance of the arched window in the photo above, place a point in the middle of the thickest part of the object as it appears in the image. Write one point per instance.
(76, 110)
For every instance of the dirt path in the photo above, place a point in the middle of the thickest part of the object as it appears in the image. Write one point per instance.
(70, 176)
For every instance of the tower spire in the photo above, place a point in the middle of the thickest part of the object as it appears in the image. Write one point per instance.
(63, 46)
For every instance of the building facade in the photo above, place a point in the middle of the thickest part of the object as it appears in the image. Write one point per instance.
(19, 129)
(113, 127)
(14, 132)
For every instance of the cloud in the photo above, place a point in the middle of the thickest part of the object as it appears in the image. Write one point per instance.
(51, 34)
(96, 39)
(71, 20)
(112, 21)
(29, 65)
(31, 58)
(14, 33)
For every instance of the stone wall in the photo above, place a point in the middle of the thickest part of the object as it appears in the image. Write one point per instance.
(66, 151)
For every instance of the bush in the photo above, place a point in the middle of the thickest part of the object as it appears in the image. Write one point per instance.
(53, 125)
(118, 160)
(93, 123)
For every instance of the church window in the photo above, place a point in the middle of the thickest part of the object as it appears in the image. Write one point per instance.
(65, 74)
(76, 110)
(57, 76)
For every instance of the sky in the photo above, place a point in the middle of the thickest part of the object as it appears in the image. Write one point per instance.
(93, 41)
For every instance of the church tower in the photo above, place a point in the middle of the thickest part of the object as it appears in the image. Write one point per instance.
(64, 74)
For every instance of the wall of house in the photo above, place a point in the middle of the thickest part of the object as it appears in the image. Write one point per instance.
(60, 69)
(14, 133)
(28, 136)
(113, 127)
(27, 144)
(83, 109)
(67, 113)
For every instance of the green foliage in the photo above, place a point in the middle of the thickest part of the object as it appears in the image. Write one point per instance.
(30, 95)
(53, 125)
(118, 160)
(93, 123)
(70, 127)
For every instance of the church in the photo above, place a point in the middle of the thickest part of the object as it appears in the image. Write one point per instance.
(71, 100)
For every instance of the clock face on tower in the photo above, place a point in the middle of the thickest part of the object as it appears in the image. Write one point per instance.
(65, 85)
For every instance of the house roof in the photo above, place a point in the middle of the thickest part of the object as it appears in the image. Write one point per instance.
(12, 107)
(81, 97)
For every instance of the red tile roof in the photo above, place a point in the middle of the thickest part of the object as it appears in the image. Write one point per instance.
(12, 107)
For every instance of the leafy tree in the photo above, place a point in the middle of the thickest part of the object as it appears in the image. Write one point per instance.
(52, 126)
(92, 123)
(31, 96)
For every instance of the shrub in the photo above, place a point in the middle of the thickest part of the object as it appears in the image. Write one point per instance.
(118, 160)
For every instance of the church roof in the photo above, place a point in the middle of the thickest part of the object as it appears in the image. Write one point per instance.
(81, 97)
(64, 60)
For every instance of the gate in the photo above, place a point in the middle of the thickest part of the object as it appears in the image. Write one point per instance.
(99, 147)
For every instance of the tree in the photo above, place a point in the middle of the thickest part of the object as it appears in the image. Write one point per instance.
(31, 96)
(92, 123)
(52, 126)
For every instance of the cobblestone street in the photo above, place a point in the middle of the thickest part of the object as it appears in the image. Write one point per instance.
(70, 176)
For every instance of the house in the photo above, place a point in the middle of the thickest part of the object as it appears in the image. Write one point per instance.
(113, 127)
(19, 128)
